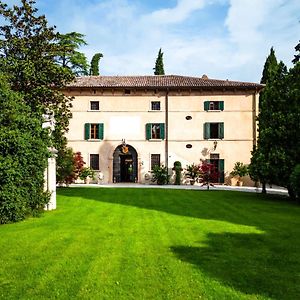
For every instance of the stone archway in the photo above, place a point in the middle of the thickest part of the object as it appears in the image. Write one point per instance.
(125, 164)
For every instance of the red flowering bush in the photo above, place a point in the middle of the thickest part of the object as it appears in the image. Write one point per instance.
(208, 173)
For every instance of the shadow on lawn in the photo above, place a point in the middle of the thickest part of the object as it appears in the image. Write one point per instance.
(265, 264)
(234, 207)
(247, 263)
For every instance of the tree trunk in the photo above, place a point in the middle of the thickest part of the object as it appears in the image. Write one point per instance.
(264, 191)
(291, 192)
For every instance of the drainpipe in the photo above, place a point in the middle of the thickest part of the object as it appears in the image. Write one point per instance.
(167, 130)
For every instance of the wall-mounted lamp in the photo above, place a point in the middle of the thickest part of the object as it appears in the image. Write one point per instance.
(215, 145)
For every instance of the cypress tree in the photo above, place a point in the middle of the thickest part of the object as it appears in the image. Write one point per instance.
(94, 70)
(259, 170)
(159, 64)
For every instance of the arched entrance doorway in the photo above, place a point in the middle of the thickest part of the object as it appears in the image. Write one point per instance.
(125, 164)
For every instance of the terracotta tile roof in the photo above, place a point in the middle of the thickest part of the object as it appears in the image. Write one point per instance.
(159, 81)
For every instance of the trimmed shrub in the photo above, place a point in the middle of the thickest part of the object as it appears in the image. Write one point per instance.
(178, 169)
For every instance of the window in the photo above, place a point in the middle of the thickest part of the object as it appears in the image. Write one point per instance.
(93, 131)
(94, 162)
(155, 131)
(95, 105)
(213, 105)
(155, 160)
(155, 105)
(213, 131)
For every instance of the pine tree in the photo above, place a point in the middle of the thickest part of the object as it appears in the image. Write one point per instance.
(159, 64)
(70, 57)
(94, 70)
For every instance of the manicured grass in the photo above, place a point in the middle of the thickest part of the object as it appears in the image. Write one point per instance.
(154, 244)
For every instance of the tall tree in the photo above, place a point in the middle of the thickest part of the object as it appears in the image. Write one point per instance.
(28, 51)
(159, 64)
(94, 70)
(70, 57)
(259, 170)
(28, 56)
(270, 68)
(278, 150)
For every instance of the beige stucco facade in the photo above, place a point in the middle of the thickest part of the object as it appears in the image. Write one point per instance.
(124, 114)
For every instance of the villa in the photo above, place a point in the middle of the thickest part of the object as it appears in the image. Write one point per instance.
(125, 125)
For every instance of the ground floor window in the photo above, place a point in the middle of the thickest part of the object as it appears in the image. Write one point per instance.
(155, 160)
(94, 162)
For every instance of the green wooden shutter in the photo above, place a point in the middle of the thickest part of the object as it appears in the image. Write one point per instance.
(221, 105)
(100, 131)
(206, 130)
(162, 131)
(148, 131)
(221, 130)
(87, 127)
(221, 170)
(206, 105)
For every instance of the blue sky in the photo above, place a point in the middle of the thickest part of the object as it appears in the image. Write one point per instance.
(221, 38)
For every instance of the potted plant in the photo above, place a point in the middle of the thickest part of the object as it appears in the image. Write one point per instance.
(239, 170)
(86, 174)
(192, 172)
(160, 175)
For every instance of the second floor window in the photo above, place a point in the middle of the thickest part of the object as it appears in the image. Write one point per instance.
(93, 131)
(94, 105)
(213, 130)
(155, 131)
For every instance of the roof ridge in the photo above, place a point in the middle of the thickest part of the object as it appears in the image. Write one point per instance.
(159, 81)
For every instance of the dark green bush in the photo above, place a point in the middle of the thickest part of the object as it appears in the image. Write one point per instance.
(23, 158)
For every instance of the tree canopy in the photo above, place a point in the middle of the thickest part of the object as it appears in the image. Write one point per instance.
(29, 51)
(69, 56)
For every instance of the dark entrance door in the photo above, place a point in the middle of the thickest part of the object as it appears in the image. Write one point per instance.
(127, 168)
(125, 164)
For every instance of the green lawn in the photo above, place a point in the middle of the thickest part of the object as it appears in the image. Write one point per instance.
(106, 243)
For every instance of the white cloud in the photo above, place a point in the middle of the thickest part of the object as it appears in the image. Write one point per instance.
(177, 14)
(255, 26)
